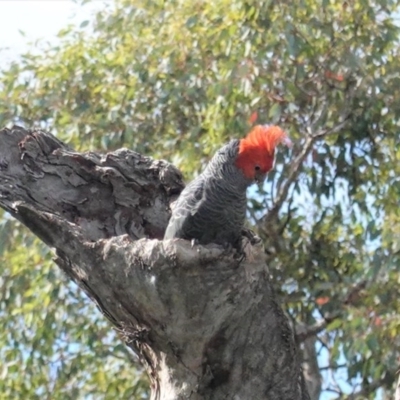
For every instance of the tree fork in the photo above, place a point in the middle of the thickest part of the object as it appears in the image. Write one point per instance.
(205, 324)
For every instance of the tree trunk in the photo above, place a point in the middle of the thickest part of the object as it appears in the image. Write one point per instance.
(397, 390)
(205, 324)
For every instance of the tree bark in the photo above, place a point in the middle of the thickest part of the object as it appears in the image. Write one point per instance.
(205, 323)
(397, 390)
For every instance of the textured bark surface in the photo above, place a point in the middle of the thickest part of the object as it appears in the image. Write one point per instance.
(204, 323)
(397, 390)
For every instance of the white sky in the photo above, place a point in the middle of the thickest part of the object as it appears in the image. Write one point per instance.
(38, 19)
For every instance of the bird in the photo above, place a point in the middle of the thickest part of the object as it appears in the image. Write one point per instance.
(212, 207)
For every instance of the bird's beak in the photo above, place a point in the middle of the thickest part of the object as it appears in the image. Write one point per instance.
(260, 178)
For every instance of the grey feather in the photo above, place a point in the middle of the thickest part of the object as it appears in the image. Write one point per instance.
(212, 208)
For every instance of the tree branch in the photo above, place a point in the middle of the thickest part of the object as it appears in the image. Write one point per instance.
(304, 332)
(294, 171)
(371, 387)
(397, 391)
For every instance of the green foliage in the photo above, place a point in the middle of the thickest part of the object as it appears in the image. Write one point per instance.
(175, 80)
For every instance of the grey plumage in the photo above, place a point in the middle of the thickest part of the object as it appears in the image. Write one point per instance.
(212, 208)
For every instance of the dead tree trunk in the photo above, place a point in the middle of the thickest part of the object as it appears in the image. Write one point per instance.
(205, 324)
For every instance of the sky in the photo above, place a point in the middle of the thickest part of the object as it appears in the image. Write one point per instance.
(37, 19)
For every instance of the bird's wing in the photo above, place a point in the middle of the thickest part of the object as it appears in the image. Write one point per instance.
(185, 208)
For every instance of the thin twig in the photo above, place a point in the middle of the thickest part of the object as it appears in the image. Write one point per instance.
(336, 128)
(292, 176)
(366, 391)
(307, 331)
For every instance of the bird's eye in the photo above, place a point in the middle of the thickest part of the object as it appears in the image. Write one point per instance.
(257, 167)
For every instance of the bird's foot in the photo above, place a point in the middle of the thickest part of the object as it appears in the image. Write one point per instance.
(251, 236)
(194, 242)
(246, 249)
